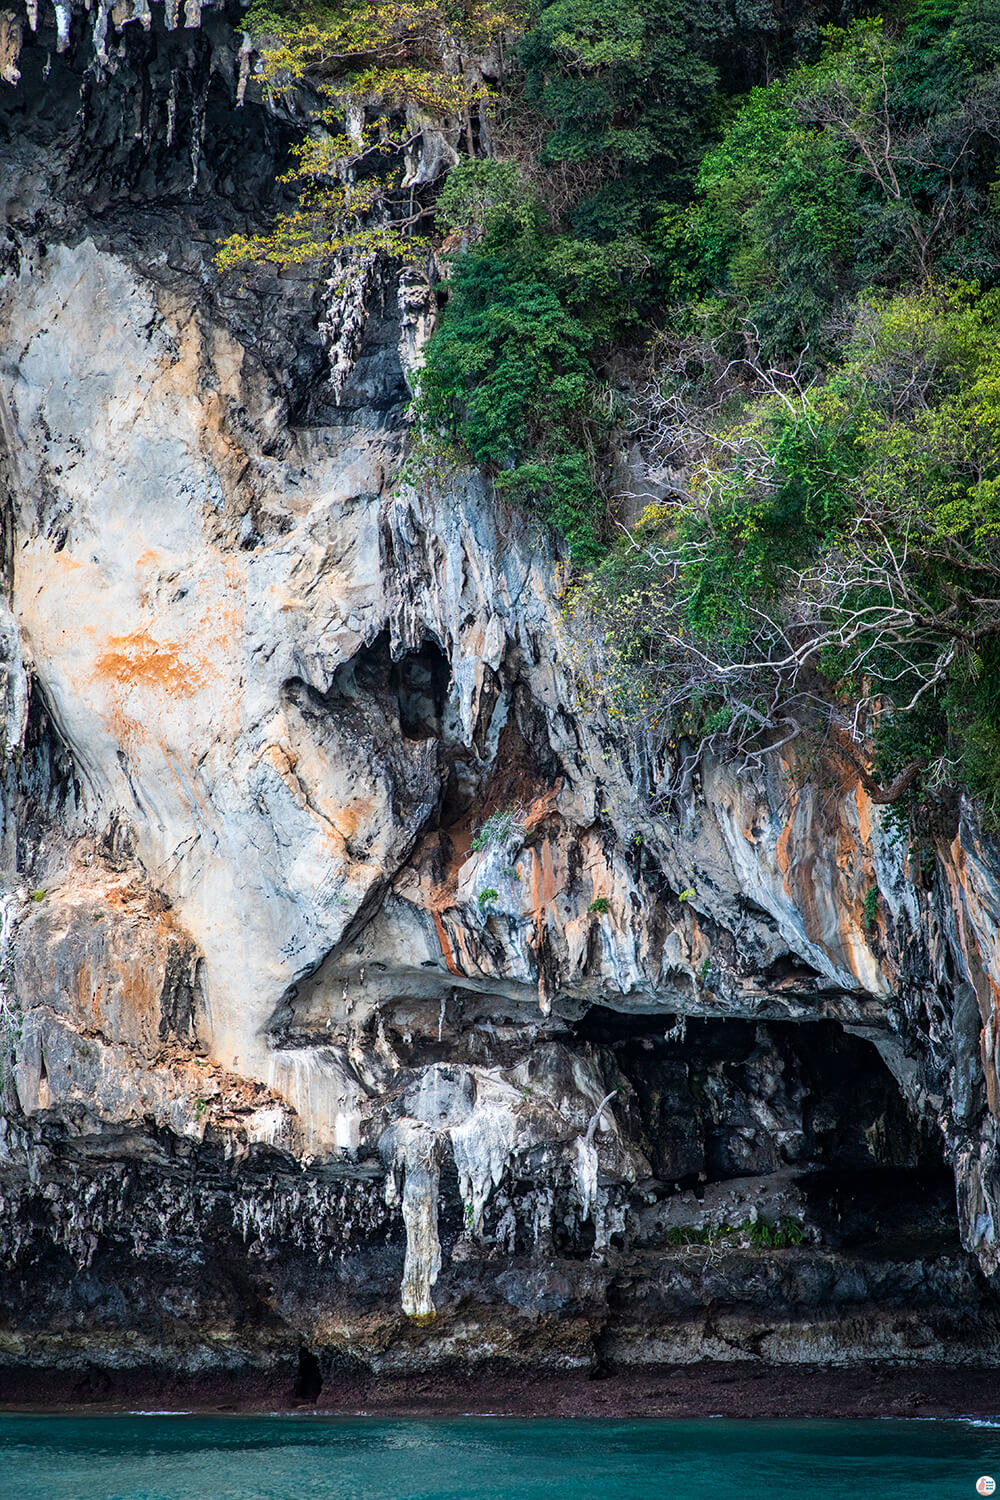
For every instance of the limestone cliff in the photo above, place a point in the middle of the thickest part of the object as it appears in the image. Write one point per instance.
(353, 999)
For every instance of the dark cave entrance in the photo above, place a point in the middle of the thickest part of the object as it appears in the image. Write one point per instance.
(308, 1377)
(724, 1107)
(412, 687)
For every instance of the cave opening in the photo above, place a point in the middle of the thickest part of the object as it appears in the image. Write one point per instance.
(308, 1377)
(789, 1119)
(411, 687)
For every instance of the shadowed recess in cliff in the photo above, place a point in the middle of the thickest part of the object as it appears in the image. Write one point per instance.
(162, 125)
(732, 1113)
(411, 687)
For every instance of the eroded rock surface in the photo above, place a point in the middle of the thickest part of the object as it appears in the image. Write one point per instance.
(301, 1048)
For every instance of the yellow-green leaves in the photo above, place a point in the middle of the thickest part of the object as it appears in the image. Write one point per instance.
(380, 75)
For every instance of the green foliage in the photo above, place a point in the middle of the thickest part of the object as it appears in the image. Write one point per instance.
(479, 194)
(870, 907)
(621, 83)
(875, 163)
(739, 546)
(761, 1233)
(501, 829)
(506, 349)
(854, 529)
(507, 380)
(384, 60)
(600, 906)
(784, 1234)
(39, 895)
(776, 222)
(631, 94)
(486, 895)
(628, 96)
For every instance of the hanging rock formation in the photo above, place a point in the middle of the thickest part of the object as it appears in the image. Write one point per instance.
(290, 1059)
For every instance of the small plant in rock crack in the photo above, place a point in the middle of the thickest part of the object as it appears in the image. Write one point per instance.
(486, 896)
(200, 1106)
(770, 1234)
(750, 1234)
(600, 906)
(510, 872)
(871, 908)
(501, 829)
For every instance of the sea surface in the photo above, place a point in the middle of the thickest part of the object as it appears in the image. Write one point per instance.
(158, 1457)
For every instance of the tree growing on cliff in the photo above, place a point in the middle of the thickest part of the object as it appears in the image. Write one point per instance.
(377, 78)
(834, 566)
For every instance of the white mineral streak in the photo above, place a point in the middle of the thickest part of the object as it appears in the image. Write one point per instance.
(354, 122)
(482, 1147)
(243, 75)
(324, 1090)
(586, 1175)
(171, 109)
(411, 1151)
(13, 684)
(417, 309)
(587, 1162)
(64, 14)
(198, 116)
(348, 299)
(10, 46)
(102, 12)
(101, 31)
(483, 1120)
(267, 1125)
(12, 900)
(13, 678)
(432, 150)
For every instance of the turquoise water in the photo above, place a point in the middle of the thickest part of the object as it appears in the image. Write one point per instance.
(298, 1458)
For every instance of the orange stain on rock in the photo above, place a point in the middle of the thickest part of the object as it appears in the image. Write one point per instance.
(446, 950)
(864, 806)
(782, 853)
(139, 660)
(543, 879)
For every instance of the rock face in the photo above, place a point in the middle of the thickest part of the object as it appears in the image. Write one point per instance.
(353, 1000)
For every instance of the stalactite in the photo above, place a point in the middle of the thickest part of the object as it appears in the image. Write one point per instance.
(10, 46)
(103, 16)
